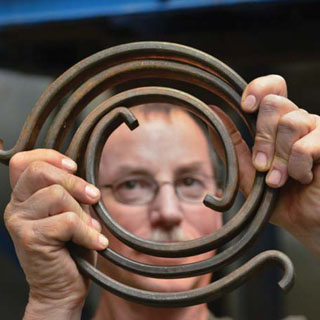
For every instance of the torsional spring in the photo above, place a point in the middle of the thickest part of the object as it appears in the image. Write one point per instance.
(77, 87)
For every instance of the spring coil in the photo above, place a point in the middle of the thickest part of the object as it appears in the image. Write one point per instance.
(77, 87)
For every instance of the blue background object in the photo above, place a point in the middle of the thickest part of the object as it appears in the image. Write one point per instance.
(17, 12)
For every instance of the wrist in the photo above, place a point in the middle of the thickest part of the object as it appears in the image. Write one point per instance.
(37, 309)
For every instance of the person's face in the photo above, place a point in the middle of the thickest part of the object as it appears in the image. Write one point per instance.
(172, 151)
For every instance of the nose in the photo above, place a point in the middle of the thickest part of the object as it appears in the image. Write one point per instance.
(165, 209)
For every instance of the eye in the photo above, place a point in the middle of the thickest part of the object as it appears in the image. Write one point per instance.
(133, 184)
(130, 184)
(134, 190)
(190, 188)
(190, 182)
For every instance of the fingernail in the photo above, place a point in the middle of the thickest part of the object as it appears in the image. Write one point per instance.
(103, 241)
(69, 164)
(249, 103)
(261, 161)
(96, 224)
(274, 177)
(92, 191)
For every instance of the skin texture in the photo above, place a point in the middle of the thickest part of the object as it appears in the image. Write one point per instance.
(46, 207)
(180, 147)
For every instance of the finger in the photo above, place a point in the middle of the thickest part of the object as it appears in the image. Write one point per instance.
(247, 171)
(54, 200)
(67, 226)
(292, 126)
(271, 110)
(257, 89)
(305, 152)
(40, 175)
(20, 161)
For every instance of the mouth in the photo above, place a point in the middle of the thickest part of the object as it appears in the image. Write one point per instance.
(174, 235)
(166, 237)
(163, 261)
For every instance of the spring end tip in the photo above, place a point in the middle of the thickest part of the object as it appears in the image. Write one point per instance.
(134, 123)
(286, 283)
(210, 202)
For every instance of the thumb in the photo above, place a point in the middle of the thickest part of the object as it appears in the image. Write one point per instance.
(246, 169)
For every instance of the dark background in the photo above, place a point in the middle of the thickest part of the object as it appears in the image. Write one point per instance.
(255, 38)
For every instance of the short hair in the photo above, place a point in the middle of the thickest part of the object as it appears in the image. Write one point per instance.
(166, 109)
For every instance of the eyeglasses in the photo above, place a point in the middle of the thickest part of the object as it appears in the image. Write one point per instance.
(141, 190)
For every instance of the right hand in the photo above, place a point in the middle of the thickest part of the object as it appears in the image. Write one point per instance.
(44, 213)
(287, 141)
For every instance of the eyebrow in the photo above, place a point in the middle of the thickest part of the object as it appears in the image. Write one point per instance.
(124, 170)
(183, 168)
(191, 167)
(128, 169)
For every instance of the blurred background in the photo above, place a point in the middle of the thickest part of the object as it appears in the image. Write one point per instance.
(41, 39)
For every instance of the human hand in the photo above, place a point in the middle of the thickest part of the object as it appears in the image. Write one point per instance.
(45, 213)
(287, 148)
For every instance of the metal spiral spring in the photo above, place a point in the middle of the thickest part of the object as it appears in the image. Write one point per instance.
(78, 86)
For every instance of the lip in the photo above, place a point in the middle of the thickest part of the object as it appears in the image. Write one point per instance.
(164, 261)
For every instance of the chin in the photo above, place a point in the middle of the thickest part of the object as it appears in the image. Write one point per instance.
(165, 285)
(152, 284)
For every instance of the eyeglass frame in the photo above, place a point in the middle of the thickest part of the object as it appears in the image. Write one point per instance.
(155, 191)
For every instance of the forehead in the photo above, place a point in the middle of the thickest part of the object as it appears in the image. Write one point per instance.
(162, 141)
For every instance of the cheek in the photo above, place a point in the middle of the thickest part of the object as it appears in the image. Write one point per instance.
(133, 219)
(203, 220)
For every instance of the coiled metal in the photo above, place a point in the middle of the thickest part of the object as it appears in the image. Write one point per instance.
(78, 86)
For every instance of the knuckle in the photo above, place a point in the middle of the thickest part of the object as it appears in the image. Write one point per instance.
(300, 114)
(258, 84)
(72, 220)
(70, 181)
(316, 118)
(16, 161)
(264, 84)
(279, 79)
(36, 169)
(9, 209)
(17, 196)
(269, 103)
(11, 221)
(263, 139)
(287, 124)
(303, 111)
(58, 193)
(297, 121)
(48, 153)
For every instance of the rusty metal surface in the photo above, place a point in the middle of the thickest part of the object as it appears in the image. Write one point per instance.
(77, 87)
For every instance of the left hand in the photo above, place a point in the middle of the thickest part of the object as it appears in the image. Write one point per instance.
(287, 148)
